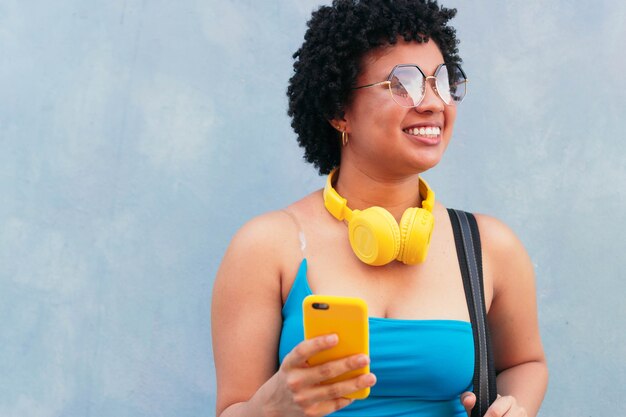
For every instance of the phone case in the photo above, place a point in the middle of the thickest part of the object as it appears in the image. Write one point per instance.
(346, 317)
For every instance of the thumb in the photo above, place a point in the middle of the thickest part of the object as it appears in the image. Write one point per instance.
(468, 399)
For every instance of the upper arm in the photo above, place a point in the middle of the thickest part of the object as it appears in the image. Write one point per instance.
(246, 311)
(512, 316)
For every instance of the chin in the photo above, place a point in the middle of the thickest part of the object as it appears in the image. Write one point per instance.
(426, 161)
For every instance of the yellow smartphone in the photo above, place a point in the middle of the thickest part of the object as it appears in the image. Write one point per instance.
(346, 317)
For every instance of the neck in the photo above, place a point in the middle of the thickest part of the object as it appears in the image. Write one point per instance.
(363, 189)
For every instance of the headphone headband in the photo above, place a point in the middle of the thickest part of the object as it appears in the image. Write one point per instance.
(335, 204)
(338, 206)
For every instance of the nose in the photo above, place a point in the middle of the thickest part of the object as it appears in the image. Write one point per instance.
(431, 102)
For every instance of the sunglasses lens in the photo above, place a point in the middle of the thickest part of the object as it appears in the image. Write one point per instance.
(407, 86)
(456, 82)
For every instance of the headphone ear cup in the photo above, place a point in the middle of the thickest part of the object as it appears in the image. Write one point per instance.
(416, 227)
(374, 236)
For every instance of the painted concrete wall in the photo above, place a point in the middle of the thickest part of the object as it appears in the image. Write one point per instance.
(136, 136)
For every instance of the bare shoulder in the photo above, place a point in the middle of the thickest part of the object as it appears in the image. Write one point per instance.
(495, 231)
(262, 243)
(497, 237)
(262, 233)
(276, 225)
(503, 252)
(267, 244)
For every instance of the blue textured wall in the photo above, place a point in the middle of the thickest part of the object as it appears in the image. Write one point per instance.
(137, 136)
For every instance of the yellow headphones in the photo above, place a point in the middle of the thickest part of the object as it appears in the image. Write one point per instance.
(375, 236)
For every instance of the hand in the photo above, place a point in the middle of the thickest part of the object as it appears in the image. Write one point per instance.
(297, 387)
(502, 407)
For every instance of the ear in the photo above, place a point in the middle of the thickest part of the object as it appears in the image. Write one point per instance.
(339, 125)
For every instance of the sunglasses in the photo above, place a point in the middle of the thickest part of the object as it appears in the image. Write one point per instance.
(407, 84)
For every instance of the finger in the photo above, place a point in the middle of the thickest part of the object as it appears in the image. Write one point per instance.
(501, 406)
(328, 407)
(341, 389)
(331, 369)
(304, 350)
(300, 378)
(468, 399)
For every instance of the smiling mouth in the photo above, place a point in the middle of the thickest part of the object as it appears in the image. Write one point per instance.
(425, 132)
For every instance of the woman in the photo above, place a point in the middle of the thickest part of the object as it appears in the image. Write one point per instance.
(374, 94)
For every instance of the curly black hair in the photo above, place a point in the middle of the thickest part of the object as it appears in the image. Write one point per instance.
(328, 62)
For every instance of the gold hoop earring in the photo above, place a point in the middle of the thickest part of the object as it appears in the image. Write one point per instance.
(344, 138)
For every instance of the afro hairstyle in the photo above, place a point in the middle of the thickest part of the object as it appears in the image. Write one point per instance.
(327, 64)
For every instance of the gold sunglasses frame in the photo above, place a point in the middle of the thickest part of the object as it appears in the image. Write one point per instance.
(387, 82)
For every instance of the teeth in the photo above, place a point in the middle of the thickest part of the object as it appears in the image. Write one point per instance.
(424, 131)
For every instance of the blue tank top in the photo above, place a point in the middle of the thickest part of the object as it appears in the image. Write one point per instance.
(422, 366)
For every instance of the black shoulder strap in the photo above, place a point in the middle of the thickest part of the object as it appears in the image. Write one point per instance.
(468, 249)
